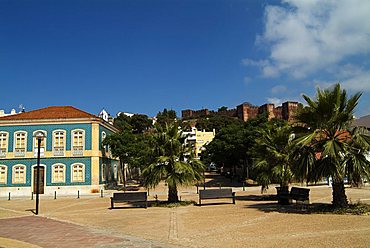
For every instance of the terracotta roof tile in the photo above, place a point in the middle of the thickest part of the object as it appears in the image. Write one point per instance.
(53, 112)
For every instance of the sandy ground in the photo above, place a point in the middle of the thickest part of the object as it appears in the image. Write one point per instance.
(251, 222)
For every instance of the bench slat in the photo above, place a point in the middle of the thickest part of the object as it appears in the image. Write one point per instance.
(129, 197)
(216, 194)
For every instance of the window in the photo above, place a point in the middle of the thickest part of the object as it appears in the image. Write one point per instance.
(3, 144)
(103, 136)
(78, 173)
(42, 144)
(19, 174)
(59, 142)
(3, 174)
(20, 144)
(115, 171)
(78, 142)
(58, 173)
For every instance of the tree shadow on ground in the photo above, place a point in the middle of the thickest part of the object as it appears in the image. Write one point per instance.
(216, 180)
(264, 197)
(304, 208)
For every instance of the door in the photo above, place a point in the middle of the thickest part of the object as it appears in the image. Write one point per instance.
(41, 181)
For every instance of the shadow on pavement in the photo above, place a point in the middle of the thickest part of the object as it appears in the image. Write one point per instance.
(216, 180)
(31, 210)
(301, 208)
(257, 198)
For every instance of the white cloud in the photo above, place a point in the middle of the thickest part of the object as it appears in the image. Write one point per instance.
(278, 89)
(274, 100)
(247, 80)
(350, 77)
(308, 36)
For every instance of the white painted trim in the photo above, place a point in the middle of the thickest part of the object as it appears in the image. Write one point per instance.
(64, 172)
(13, 173)
(83, 139)
(15, 140)
(6, 173)
(34, 146)
(64, 139)
(83, 172)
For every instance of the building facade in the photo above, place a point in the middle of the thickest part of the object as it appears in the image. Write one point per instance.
(198, 139)
(246, 111)
(72, 155)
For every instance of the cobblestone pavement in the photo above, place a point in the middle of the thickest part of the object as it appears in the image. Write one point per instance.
(46, 233)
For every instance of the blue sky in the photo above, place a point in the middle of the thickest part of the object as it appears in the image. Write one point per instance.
(142, 56)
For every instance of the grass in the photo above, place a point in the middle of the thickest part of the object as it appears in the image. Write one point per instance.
(355, 209)
(172, 204)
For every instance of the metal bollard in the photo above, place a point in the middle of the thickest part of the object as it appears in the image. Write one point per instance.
(101, 193)
(55, 195)
(243, 186)
(9, 197)
(31, 196)
(148, 192)
(197, 189)
(78, 194)
(156, 198)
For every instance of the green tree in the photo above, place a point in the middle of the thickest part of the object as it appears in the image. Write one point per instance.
(166, 117)
(122, 122)
(272, 155)
(223, 108)
(171, 162)
(120, 145)
(140, 123)
(340, 151)
(227, 148)
(233, 143)
(216, 122)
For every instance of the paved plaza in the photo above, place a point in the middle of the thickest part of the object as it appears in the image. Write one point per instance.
(253, 222)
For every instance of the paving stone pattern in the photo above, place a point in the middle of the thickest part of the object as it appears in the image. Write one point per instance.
(51, 233)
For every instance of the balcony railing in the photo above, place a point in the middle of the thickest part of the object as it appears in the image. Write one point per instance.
(2, 152)
(58, 151)
(19, 152)
(77, 150)
(36, 150)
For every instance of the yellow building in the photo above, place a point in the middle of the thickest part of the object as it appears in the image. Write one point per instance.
(199, 139)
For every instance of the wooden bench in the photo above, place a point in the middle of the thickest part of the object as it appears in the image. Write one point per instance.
(132, 197)
(300, 194)
(216, 194)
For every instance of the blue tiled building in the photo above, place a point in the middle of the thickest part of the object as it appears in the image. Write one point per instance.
(72, 156)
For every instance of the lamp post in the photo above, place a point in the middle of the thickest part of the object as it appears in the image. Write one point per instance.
(39, 136)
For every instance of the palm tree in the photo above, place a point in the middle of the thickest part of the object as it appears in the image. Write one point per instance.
(172, 162)
(272, 155)
(329, 147)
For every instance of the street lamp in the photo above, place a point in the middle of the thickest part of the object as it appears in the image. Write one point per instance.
(39, 135)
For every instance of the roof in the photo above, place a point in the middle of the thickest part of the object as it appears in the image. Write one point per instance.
(53, 112)
(362, 122)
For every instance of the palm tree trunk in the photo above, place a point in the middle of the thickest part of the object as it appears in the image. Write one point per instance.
(339, 193)
(172, 193)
